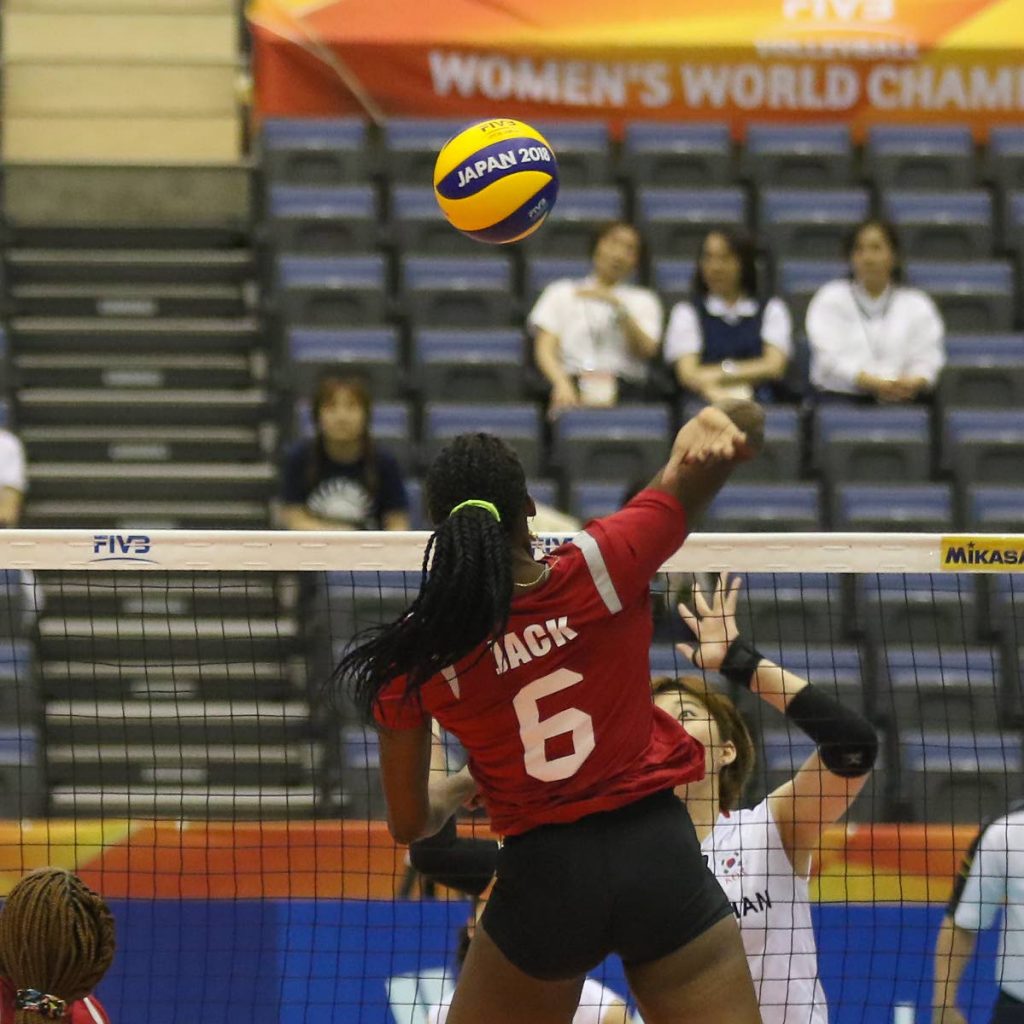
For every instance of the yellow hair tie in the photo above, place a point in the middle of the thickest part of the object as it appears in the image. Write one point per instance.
(477, 503)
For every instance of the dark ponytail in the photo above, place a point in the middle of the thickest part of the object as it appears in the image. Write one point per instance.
(466, 588)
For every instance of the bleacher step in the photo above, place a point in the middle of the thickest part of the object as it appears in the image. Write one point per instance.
(116, 370)
(73, 513)
(93, 480)
(119, 266)
(147, 444)
(131, 300)
(202, 802)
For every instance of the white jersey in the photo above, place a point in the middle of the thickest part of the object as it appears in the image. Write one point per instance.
(771, 905)
(595, 1001)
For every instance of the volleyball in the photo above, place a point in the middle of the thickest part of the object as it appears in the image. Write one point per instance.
(496, 181)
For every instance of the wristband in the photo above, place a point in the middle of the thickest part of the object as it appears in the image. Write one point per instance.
(740, 662)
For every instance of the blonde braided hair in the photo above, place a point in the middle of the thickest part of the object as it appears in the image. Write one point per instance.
(56, 937)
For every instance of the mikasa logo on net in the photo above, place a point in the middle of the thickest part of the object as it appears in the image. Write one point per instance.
(847, 11)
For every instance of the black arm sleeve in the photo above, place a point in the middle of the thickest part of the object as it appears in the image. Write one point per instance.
(847, 742)
(460, 863)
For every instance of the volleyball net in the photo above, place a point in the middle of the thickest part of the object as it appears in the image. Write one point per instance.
(164, 733)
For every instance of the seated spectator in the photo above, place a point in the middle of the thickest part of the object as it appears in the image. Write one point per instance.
(56, 943)
(871, 337)
(726, 342)
(13, 479)
(340, 479)
(593, 339)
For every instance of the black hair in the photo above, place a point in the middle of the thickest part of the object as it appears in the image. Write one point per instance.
(465, 593)
(743, 248)
(603, 230)
(327, 388)
(891, 236)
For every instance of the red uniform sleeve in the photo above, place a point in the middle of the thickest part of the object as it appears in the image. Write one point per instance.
(627, 548)
(393, 710)
(88, 1011)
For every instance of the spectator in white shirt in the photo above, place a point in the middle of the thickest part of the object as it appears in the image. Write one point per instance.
(871, 337)
(13, 479)
(594, 338)
(727, 343)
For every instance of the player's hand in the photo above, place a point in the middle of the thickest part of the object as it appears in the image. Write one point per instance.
(710, 437)
(714, 624)
(947, 1015)
(563, 396)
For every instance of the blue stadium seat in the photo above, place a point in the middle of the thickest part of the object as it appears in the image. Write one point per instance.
(677, 155)
(314, 219)
(484, 365)
(1013, 223)
(1005, 613)
(4, 366)
(781, 457)
(411, 146)
(856, 443)
(673, 280)
(543, 491)
(926, 156)
(22, 785)
(314, 151)
(791, 610)
(921, 609)
(959, 776)
(583, 149)
(520, 425)
(942, 225)
(1004, 163)
(542, 270)
(458, 292)
(798, 280)
(391, 426)
(800, 223)
(675, 220)
(802, 156)
(570, 228)
(591, 500)
(765, 508)
(973, 297)
(994, 509)
(419, 226)
(418, 518)
(783, 751)
(891, 508)
(620, 444)
(371, 353)
(338, 291)
(983, 370)
(984, 446)
(667, 661)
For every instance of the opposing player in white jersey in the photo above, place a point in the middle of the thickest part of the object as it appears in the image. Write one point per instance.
(762, 855)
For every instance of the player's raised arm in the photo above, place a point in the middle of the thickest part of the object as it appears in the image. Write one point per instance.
(707, 449)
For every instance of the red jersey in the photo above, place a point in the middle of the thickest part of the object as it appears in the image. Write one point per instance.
(83, 1011)
(557, 718)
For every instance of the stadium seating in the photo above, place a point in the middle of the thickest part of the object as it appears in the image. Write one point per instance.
(920, 609)
(570, 228)
(942, 225)
(22, 782)
(418, 226)
(411, 146)
(791, 610)
(517, 424)
(583, 149)
(1013, 222)
(1004, 163)
(677, 155)
(542, 270)
(371, 353)
(926, 508)
(314, 151)
(673, 280)
(674, 221)
(984, 446)
(908, 156)
(307, 219)
(982, 370)
(803, 156)
(810, 224)
(589, 499)
(620, 444)
(766, 508)
(337, 291)
(973, 297)
(458, 292)
(798, 280)
(858, 444)
(993, 509)
(483, 365)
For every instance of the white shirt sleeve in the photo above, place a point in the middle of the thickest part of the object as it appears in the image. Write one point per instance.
(683, 337)
(927, 353)
(12, 462)
(646, 309)
(837, 358)
(549, 311)
(777, 326)
(985, 889)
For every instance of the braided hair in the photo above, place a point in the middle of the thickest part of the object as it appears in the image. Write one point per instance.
(56, 937)
(465, 593)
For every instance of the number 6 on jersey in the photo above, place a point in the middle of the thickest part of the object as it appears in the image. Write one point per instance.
(534, 732)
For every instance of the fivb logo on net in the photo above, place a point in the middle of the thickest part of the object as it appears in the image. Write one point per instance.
(121, 547)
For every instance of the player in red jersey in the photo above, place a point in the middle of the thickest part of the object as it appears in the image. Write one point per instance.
(56, 943)
(540, 668)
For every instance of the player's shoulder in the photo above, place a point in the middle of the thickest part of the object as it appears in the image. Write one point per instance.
(89, 1011)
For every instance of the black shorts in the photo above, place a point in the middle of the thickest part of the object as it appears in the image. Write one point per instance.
(631, 881)
(1007, 1010)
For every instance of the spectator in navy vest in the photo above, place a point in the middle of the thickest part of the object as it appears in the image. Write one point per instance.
(727, 342)
(872, 338)
(339, 479)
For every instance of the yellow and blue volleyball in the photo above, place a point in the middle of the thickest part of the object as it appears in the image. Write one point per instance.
(496, 181)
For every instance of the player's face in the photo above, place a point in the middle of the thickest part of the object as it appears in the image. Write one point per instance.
(719, 266)
(342, 418)
(872, 259)
(617, 253)
(697, 721)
